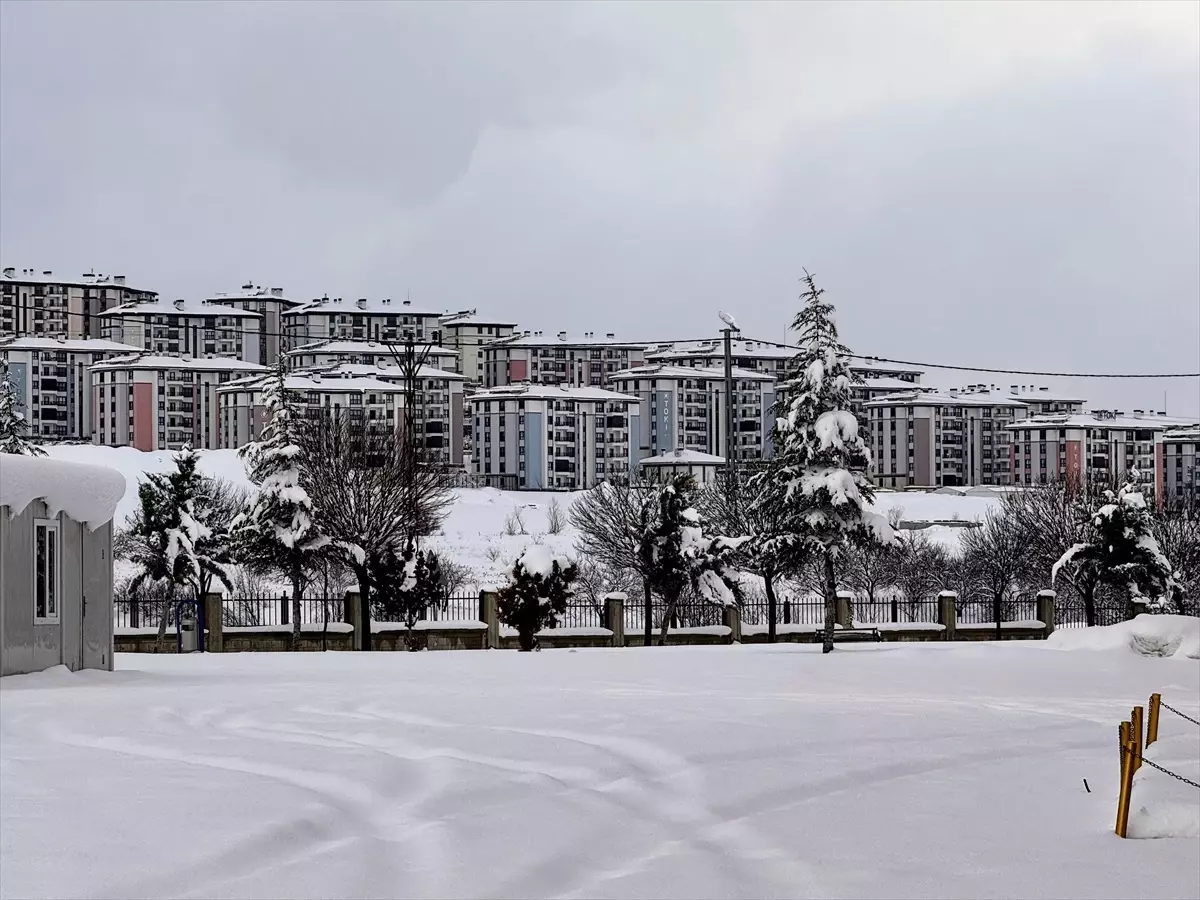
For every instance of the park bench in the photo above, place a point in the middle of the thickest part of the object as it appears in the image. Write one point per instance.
(859, 633)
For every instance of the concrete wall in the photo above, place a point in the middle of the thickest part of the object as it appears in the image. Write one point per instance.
(82, 636)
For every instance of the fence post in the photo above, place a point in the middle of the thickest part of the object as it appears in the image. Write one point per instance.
(352, 615)
(948, 613)
(1138, 605)
(787, 612)
(285, 608)
(732, 616)
(1152, 719)
(614, 611)
(488, 613)
(845, 609)
(1123, 796)
(1135, 728)
(214, 641)
(1045, 610)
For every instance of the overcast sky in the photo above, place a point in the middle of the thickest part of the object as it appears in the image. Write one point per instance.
(1011, 185)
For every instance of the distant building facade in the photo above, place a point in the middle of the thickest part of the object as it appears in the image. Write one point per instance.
(1176, 460)
(360, 320)
(467, 333)
(42, 304)
(587, 361)
(270, 304)
(202, 330)
(371, 353)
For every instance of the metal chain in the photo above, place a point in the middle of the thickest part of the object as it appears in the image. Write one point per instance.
(1155, 765)
(1178, 713)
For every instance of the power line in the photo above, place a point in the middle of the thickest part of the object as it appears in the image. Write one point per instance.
(929, 365)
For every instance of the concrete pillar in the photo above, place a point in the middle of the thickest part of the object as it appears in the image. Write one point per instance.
(614, 611)
(948, 613)
(1045, 610)
(214, 641)
(488, 612)
(1139, 606)
(352, 615)
(733, 621)
(845, 609)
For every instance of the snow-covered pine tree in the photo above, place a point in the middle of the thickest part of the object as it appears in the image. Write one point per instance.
(278, 531)
(405, 587)
(539, 587)
(14, 428)
(1123, 550)
(677, 554)
(166, 536)
(815, 489)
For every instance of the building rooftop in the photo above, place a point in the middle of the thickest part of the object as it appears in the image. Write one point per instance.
(660, 370)
(365, 370)
(366, 348)
(1191, 433)
(88, 279)
(361, 306)
(70, 345)
(251, 291)
(562, 339)
(684, 457)
(472, 317)
(526, 390)
(1102, 418)
(159, 361)
(179, 307)
(715, 348)
(936, 398)
(882, 383)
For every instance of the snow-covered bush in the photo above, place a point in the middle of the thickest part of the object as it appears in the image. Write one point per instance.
(406, 586)
(539, 587)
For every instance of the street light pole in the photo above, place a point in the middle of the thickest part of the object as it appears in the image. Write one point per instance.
(729, 439)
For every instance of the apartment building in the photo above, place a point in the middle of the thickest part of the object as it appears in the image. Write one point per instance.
(371, 353)
(552, 437)
(154, 402)
(372, 394)
(270, 304)
(51, 378)
(683, 408)
(1102, 445)
(932, 439)
(182, 327)
(588, 361)
(42, 304)
(332, 318)
(1176, 460)
(467, 332)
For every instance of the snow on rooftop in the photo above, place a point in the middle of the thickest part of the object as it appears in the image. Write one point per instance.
(1101, 419)
(716, 348)
(384, 372)
(925, 397)
(527, 390)
(1182, 434)
(684, 457)
(472, 317)
(881, 383)
(85, 492)
(660, 370)
(253, 292)
(562, 339)
(31, 276)
(366, 348)
(179, 307)
(151, 361)
(70, 345)
(361, 306)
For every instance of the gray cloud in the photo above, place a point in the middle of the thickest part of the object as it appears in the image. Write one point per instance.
(1006, 184)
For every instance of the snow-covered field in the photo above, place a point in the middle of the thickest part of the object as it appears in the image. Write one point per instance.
(473, 533)
(891, 771)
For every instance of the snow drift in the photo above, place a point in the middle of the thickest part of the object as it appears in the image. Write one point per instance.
(1147, 635)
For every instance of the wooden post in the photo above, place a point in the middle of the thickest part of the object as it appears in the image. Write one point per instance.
(1152, 719)
(1123, 796)
(1135, 723)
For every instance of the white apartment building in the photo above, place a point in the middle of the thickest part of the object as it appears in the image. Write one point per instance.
(588, 361)
(683, 408)
(550, 437)
(467, 332)
(170, 327)
(154, 402)
(1101, 446)
(52, 381)
(771, 359)
(1176, 461)
(372, 394)
(370, 353)
(42, 304)
(270, 304)
(332, 318)
(931, 439)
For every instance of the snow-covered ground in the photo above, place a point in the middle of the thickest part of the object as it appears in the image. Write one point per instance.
(474, 531)
(886, 771)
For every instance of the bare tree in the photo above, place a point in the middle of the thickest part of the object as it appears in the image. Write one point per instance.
(556, 518)
(1177, 528)
(608, 519)
(374, 494)
(918, 570)
(595, 580)
(997, 552)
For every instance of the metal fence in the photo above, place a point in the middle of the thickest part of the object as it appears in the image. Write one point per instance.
(687, 615)
(983, 611)
(461, 606)
(881, 611)
(788, 611)
(582, 614)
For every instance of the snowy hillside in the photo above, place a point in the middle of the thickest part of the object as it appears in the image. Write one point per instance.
(474, 532)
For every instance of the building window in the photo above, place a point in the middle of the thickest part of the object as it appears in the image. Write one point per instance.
(45, 570)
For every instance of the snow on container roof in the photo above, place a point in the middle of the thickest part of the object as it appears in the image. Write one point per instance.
(86, 493)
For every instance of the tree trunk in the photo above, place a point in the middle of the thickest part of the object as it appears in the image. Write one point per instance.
(830, 602)
(526, 640)
(297, 578)
(772, 604)
(648, 625)
(668, 617)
